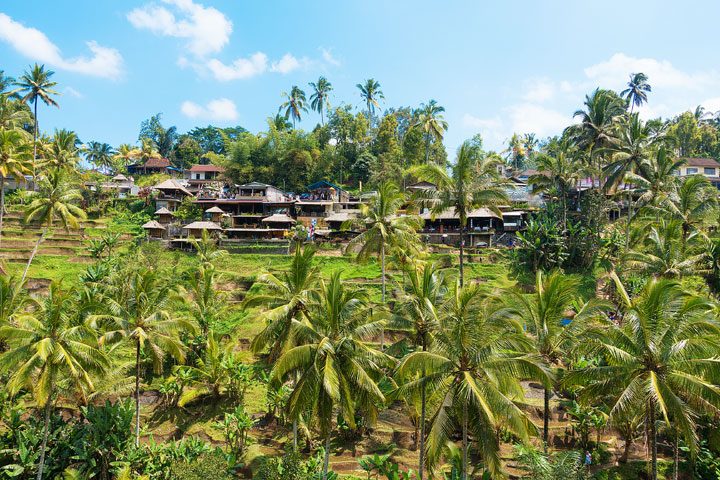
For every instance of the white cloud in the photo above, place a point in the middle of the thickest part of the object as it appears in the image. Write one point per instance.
(614, 73)
(241, 68)
(328, 57)
(206, 29)
(105, 62)
(539, 90)
(219, 110)
(491, 129)
(286, 64)
(532, 118)
(73, 93)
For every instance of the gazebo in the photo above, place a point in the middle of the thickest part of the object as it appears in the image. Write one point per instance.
(279, 220)
(164, 215)
(216, 213)
(195, 229)
(154, 229)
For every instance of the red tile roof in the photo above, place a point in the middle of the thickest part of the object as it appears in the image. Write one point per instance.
(157, 163)
(206, 168)
(702, 162)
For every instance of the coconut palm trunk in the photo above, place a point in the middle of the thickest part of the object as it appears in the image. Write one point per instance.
(465, 441)
(326, 459)
(34, 252)
(546, 416)
(2, 204)
(35, 132)
(423, 408)
(462, 253)
(137, 393)
(427, 148)
(382, 267)
(46, 434)
(676, 455)
(652, 433)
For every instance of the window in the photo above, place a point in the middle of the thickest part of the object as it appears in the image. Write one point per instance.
(709, 171)
(691, 171)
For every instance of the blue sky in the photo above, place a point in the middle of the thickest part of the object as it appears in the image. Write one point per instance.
(497, 67)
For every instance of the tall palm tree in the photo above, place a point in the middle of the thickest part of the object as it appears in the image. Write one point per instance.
(558, 175)
(691, 203)
(15, 162)
(431, 122)
(474, 367)
(5, 83)
(658, 360)
(287, 298)
(637, 90)
(13, 113)
(597, 128)
(55, 201)
(371, 93)
(100, 155)
(205, 302)
(63, 150)
(385, 228)
(336, 369)
(417, 311)
(319, 98)
(655, 179)
(472, 183)
(294, 104)
(140, 312)
(544, 313)
(47, 350)
(36, 85)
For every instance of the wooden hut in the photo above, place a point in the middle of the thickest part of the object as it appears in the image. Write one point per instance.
(195, 229)
(164, 215)
(215, 214)
(279, 220)
(154, 229)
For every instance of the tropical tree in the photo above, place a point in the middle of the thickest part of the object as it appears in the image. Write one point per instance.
(430, 121)
(416, 311)
(654, 180)
(47, 351)
(691, 203)
(637, 89)
(13, 299)
(63, 150)
(545, 315)
(371, 93)
(558, 175)
(385, 228)
(597, 128)
(335, 368)
(55, 201)
(140, 312)
(657, 360)
(294, 104)
(471, 183)
(319, 98)
(475, 365)
(13, 113)
(5, 83)
(100, 154)
(15, 162)
(36, 85)
(205, 302)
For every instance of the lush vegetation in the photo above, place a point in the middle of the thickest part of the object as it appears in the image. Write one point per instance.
(601, 320)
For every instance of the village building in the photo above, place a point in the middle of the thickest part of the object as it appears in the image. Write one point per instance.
(204, 177)
(155, 230)
(164, 216)
(170, 193)
(708, 167)
(120, 185)
(152, 166)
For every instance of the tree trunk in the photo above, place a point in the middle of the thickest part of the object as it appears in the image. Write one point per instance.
(46, 433)
(35, 135)
(465, 441)
(382, 267)
(677, 456)
(32, 255)
(462, 254)
(653, 441)
(546, 417)
(137, 393)
(2, 203)
(326, 460)
(421, 456)
(626, 451)
(427, 149)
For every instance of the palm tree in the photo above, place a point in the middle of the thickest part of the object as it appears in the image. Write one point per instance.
(655, 178)
(657, 360)
(63, 150)
(205, 302)
(319, 98)
(371, 93)
(476, 363)
(558, 175)
(139, 306)
(544, 314)
(430, 121)
(385, 228)
(336, 369)
(472, 183)
(36, 85)
(13, 299)
(100, 155)
(15, 162)
(5, 83)
(55, 201)
(637, 89)
(13, 114)
(46, 350)
(294, 105)
(691, 203)
(417, 311)
(597, 128)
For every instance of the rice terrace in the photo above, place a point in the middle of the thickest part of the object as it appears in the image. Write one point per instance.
(343, 240)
